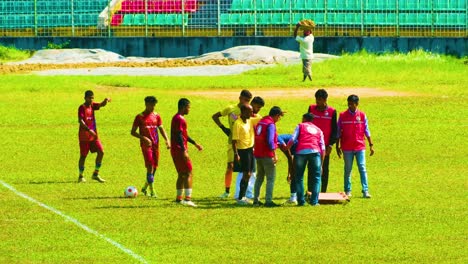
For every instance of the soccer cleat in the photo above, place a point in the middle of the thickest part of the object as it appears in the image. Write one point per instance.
(81, 179)
(97, 178)
(143, 191)
(154, 195)
(348, 194)
(291, 202)
(271, 204)
(224, 195)
(366, 194)
(188, 203)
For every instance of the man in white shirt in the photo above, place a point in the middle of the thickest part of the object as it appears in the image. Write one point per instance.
(306, 48)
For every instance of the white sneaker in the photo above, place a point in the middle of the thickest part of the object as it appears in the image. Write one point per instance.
(348, 194)
(188, 203)
(291, 202)
(224, 195)
(366, 195)
(243, 201)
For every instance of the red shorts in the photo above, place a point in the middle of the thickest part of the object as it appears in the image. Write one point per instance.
(181, 165)
(151, 155)
(93, 146)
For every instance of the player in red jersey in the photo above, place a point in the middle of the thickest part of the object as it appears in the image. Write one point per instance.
(88, 136)
(179, 153)
(148, 123)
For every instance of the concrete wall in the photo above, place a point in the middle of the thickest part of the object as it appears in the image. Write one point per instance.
(193, 46)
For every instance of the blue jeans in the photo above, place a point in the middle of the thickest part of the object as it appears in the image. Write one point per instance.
(300, 163)
(348, 157)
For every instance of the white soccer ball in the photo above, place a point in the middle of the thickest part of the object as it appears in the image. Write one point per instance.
(131, 192)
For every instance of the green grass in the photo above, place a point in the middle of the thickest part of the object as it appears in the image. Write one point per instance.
(417, 176)
(13, 54)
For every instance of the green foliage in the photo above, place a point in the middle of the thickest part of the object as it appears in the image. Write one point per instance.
(417, 176)
(13, 54)
(52, 45)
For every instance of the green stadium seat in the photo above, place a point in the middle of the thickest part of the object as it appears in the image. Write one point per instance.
(160, 19)
(301, 5)
(224, 19)
(235, 19)
(296, 17)
(280, 5)
(236, 5)
(127, 20)
(267, 5)
(139, 20)
(370, 19)
(247, 5)
(287, 19)
(151, 18)
(376, 5)
(318, 18)
(352, 18)
(264, 18)
(85, 19)
(247, 19)
(277, 19)
(408, 5)
(450, 19)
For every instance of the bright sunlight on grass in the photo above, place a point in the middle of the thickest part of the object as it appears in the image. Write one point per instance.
(418, 175)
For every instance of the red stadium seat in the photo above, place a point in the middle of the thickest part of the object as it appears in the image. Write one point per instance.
(116, 20)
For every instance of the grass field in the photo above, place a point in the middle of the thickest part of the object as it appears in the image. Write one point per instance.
(418, 175)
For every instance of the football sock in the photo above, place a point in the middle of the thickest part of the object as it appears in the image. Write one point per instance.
(150, 178)
(188, 194)
(228, 180)
(81, 170)
(243, 188)
(96, 169)
(179, 194)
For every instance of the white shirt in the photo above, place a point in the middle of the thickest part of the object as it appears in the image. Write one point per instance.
(306, 46)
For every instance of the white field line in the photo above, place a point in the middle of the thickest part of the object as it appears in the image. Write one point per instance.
(76, 222)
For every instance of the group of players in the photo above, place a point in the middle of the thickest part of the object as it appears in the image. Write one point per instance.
(252, 145)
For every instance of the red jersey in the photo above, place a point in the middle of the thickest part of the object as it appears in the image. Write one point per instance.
(324, 121)
(178, 125)
(148, 125)
(86, 113)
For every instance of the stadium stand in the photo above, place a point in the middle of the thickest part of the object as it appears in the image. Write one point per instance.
(234, 17)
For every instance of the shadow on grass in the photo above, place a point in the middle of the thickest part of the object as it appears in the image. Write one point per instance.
(206, 203)
(50, 182)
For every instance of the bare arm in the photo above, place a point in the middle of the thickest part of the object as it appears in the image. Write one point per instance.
(296, 29)
(105, 101)
(134, 133)
(164, 135)
(215, 118)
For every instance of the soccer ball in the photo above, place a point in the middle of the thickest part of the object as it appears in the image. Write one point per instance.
(131, 192)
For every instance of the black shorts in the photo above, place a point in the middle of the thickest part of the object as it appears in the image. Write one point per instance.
(246, 159)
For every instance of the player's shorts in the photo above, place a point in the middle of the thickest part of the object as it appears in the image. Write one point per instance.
(151, 155)
(247, 160)
(181, 165)
(90, 146)
(230, 154)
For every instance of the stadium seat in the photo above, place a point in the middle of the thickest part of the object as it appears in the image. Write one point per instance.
(408, 5)
(296, 17)
(247, 5)
(264, 5)
(116, 20)
(287, 19)
(236, 5)
(139, 20)
(264, 18)
(160, 19)
(376, 5)
(277, 19)
(235, 18)
(127, 20)
(85, 19)
(247, 19)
